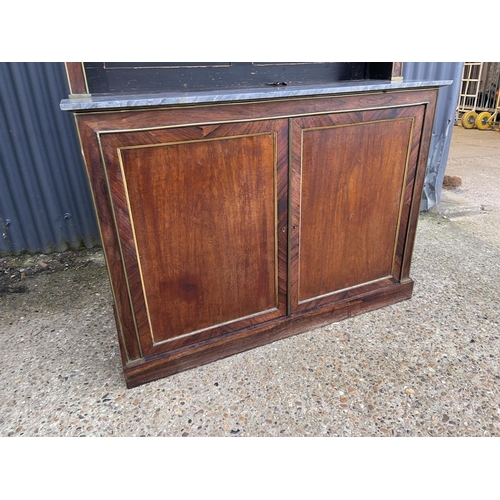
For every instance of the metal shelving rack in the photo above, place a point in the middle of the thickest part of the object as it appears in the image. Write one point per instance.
(479, 98)
(467, 101)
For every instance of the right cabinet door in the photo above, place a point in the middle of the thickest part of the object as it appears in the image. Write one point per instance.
(352, 186)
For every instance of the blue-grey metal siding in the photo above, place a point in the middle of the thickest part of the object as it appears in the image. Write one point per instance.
(443, 122)
(45, 202)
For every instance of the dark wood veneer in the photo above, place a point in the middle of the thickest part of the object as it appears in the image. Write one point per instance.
(76, 78)
(351, 201)
(228, 226)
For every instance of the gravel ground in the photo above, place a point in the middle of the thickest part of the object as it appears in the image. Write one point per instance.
(426, 367)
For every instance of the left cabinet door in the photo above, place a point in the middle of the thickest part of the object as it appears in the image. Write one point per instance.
(200, 216)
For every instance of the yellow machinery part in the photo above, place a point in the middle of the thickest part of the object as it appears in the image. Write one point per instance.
(483, 120)
(469, 119)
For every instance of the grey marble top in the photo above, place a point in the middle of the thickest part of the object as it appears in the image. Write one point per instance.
(226, 95)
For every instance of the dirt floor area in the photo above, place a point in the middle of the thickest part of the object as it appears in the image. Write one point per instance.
(426, 367)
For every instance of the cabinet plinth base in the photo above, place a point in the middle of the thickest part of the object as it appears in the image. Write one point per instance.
(139, 373)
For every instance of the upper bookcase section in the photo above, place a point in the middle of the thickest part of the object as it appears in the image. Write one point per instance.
(115, 78)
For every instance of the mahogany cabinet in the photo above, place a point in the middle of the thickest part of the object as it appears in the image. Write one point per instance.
(229, 225)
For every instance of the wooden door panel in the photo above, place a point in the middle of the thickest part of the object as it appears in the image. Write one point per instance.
(353, 176)
(197, 214)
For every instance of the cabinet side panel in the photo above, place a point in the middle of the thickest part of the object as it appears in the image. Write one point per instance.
(352, 179)
(422, 156)
(128, 334)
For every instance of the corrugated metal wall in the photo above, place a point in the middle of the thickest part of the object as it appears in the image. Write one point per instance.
(45, 203)
(443, 123)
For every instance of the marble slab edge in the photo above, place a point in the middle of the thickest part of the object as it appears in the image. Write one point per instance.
(200, 97)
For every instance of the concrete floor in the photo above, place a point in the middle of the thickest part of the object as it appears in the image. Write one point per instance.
(426, 367)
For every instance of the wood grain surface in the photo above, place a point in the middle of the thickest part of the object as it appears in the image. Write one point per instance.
(207, 235)
(76, 78)
(228, 226)
(198, 210)
(352, 170)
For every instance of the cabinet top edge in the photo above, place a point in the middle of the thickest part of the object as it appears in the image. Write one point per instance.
(77, 104)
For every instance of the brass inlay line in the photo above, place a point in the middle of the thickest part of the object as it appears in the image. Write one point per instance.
(344, 289)
(400, 204)
(125, 186)
(166, 107)
(73, 94)
(109, 68)
(276, 229)
(69, 82)
(85, 78)
(289, 220)
(357, 124)
(403, 189)
(191, 141)
(218, 325)
(266, 118)
(119, 244)
(276, 220)
(117, 315)
(416, 181)
(301, 177)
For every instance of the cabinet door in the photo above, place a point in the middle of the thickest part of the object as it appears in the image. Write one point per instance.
(353, 176)
(200, 214)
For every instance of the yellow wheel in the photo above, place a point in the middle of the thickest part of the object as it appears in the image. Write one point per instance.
(469, 119)
(483, 120)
